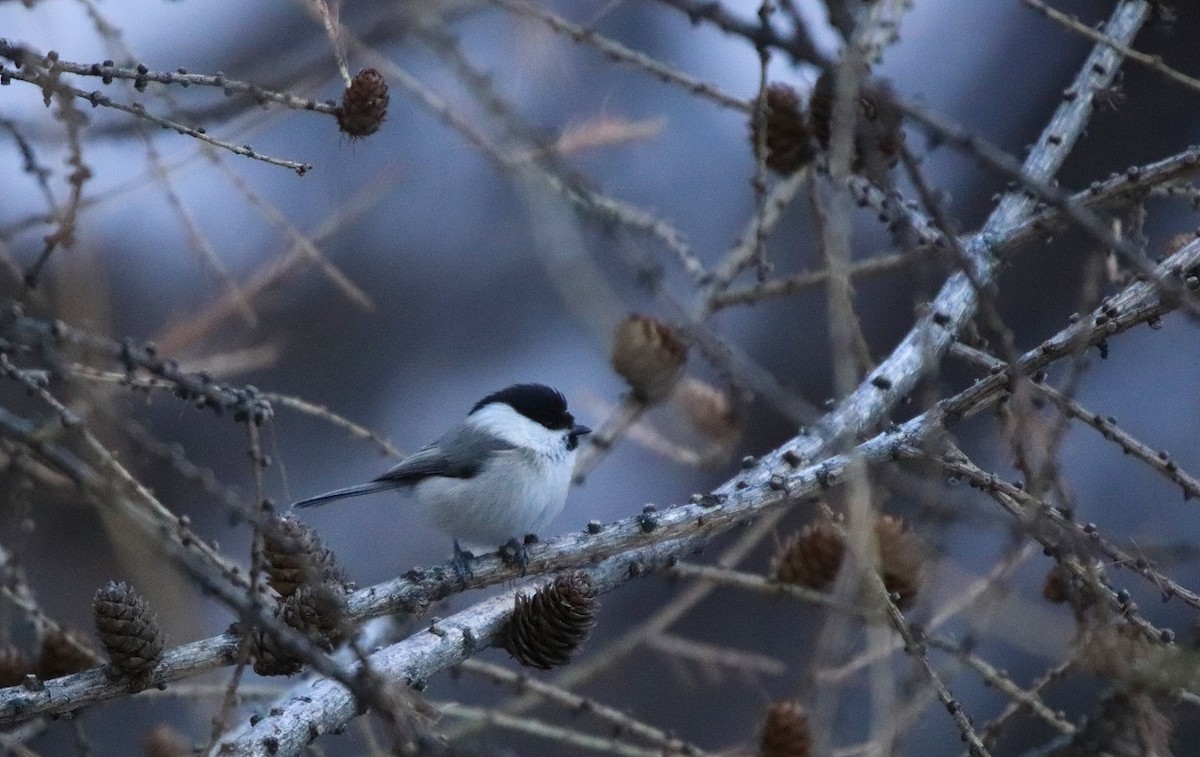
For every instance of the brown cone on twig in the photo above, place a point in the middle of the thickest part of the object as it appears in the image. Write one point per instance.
(785, 732)
(165, 741)
(364, 104)
(270, 657)
(788, 134)
(295, 556)
(901, 557)
(1057, 586)
(649, 355)
(14, 665)
(547, 628)
(813, 556)
(63, 653)
(128, 630)
(709, 410)
(1127, 723)
(878, 135)
(318, 612)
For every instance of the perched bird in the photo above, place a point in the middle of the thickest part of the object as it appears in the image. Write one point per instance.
(500, 474)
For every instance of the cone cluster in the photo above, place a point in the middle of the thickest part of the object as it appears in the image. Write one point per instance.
(785, 732)
(312, 594)
(813, 555)
(649, 355)
(546, 628)
(128, 630)
(878, 136)
(790, 129)
(364, 105)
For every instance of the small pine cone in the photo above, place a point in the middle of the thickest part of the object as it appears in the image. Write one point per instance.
(62, 654)
(295, 556)
(1057, 587)
(820, 108)
(165, 741)
(128, 630)
(364, 104)
(812, 556)
(709, 410)
(785, 732)
(901, 557)
(649, 355)
(14, 665)
(788, 134)
(1179, 241)
(319, 612)
(270, 658)
(546, 629)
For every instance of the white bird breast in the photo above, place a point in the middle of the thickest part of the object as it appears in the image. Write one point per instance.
(519, 491)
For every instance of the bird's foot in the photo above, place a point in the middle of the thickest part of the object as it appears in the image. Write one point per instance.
(514, 554)
(461, 564)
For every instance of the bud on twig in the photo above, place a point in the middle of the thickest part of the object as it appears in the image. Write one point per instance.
(128, 630)
(546, 629)
(364, 104)
(649, 355)
(785, 732)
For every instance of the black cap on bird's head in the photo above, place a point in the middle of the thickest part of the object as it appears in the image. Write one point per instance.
(538, 403)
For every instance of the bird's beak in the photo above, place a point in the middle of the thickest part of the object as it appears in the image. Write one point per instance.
(579, 430)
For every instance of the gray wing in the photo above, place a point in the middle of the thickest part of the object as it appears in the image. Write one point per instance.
(458, 454)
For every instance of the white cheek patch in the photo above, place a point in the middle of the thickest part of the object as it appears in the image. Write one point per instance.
(507, 424)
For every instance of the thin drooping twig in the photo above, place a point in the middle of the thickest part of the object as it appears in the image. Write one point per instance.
(999, 680)
(107, 71)
(571, 701)
(99, 99)
(199, 325)
(568, 738)
(1158, 460)
(1153, 62)
(1119, 187)
(915, 646)
(618, 52)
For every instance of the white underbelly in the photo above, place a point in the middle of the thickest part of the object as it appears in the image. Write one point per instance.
(486, 511)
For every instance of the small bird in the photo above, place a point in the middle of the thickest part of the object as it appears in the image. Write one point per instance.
(499, 475)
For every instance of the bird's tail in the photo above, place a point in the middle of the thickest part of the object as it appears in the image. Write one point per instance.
(350, 491)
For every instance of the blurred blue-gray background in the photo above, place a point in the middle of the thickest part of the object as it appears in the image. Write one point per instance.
(478, 277)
